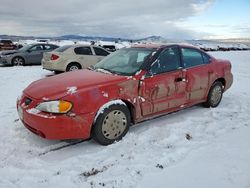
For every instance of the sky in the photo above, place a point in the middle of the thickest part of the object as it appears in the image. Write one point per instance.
(172, 19)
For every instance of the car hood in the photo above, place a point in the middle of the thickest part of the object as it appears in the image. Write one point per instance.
(8, 52)
(56, 87)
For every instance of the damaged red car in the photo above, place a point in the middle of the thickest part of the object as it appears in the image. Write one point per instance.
(129, 86)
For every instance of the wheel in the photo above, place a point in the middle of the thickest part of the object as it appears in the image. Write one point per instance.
(73, 67)
(18, 61)
(112, 124)
(215, 95)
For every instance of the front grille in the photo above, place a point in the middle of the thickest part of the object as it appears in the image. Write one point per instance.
(27, 101)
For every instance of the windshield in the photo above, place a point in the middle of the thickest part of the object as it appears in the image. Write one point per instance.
(126, 61)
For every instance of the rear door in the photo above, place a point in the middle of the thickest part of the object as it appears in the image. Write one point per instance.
(85, 56)
(164, 86)
(197, 65)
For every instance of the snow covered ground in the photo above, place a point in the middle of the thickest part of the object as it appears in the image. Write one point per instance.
(196, 147)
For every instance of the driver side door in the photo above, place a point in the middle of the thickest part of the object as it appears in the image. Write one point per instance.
(164, 86)
(34, 54)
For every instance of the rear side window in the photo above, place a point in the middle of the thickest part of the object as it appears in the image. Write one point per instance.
(63, 48)
(83, 51)
(206, 58)
(191, 57)
(100, 52)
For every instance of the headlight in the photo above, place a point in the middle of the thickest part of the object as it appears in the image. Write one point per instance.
(60, 107)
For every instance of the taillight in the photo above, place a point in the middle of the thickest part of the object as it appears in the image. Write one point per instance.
(54, 57)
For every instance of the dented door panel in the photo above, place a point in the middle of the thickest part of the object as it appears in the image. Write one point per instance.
(198, 79)
(162, 92)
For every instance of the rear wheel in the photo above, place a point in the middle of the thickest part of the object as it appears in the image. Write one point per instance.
(112, 124)
(215, 95)
(18, 61)
(73, 67)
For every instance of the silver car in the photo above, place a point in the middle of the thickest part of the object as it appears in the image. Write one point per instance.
(73, 57)
(29, 54)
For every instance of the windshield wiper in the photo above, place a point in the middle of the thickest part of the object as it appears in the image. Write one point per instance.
(104, 70)
(91, 67)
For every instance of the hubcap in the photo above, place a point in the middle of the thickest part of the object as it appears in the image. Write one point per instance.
(114, 124)
(18, 61)
(216, 95)
(73, 68)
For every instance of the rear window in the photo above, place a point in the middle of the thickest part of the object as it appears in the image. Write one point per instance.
(63, 48)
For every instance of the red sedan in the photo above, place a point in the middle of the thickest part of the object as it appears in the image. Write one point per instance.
(128, 86)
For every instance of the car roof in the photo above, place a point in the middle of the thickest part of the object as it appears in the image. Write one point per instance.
(157, 46)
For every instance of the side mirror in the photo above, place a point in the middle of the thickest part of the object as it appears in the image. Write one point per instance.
(28, 50)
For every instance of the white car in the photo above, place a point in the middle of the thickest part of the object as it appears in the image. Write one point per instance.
(73, 57)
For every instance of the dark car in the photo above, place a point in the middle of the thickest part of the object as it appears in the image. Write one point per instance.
(127, 87)
(29, 54)
(6, 44)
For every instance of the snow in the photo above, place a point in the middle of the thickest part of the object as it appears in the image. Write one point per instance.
(71, 90)
(195, 147)
(107, 105)
(105, 94)
(33, 111)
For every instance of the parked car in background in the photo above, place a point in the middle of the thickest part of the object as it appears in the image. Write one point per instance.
(129, 86)
(73, 57)
(29, 54)
(7, 44)
(110, 48)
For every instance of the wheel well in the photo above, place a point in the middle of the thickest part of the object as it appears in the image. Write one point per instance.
(222, 80)
(18, 57)
(131, 109)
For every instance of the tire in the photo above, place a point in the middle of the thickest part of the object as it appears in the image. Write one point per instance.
(112, 124)
(73, 67)
(215, 95)
(18, 61)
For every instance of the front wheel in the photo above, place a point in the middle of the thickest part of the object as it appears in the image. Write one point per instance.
(215, 95)
(18, 61)
(112, 124)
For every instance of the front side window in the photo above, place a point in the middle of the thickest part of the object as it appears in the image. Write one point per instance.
(126, 61)
(191, 57)
(168, 60)
(36, 48)
(83, 51)
(100, 52)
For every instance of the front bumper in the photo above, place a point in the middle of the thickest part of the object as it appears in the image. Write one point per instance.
(54, 126)
(4, 61)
